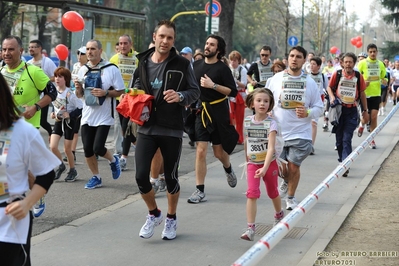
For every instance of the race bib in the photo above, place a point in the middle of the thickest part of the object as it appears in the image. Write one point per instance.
(347, 90)
(127, 66)
(265, 72)
(374, 71)
(293, 93)
(257, 140)
(5, 140)
(12, 79)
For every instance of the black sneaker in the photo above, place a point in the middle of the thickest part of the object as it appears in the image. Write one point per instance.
(65, 159)
(72, 176)
(59, 171)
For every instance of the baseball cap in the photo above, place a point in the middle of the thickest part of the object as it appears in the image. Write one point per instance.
(186, 50)
(82, 50)
(362, 54)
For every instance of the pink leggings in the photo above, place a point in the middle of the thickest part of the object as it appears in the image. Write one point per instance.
(270, 179)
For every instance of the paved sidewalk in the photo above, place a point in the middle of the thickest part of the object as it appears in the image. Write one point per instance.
(209, 233)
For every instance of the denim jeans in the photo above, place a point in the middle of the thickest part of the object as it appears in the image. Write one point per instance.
(344, 133)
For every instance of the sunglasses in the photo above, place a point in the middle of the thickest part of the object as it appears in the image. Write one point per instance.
(265, 55)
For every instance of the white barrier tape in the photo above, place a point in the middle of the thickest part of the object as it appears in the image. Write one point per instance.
(254, 255)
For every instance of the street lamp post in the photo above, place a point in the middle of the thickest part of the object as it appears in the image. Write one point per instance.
(303, 20)
(342, 20)
(328, 25)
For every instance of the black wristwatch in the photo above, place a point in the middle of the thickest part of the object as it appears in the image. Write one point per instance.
(38, 108)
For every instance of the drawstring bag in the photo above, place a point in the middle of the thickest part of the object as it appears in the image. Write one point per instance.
(137, 107)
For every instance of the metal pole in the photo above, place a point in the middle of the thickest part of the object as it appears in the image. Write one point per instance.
(318, 28)
(328, 31)
(210, 18)
(346, 31)
(342, 30)
(22, 26)
(303, 20)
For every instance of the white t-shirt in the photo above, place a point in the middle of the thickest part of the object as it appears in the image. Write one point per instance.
(101, 115)
(27, 152)
(66, 101)
(291, 126)
(395, 75)
(47, 65)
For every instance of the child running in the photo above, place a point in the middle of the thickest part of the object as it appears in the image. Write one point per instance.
(260, 150)
(67, 109)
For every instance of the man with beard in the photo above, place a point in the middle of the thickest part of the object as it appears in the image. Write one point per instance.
(213, 121)
(349, 86)
(298, 101)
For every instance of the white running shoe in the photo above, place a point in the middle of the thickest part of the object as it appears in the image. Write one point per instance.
(283, 189)
(197, 197)
(147, 230)
(291, 203)
(169, 230)
(248, 234)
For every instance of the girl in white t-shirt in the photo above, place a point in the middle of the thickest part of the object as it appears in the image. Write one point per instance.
(260, 150)
(22, 150)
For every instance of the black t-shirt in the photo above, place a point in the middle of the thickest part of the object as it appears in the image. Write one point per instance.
(220, 74)
(254, 70)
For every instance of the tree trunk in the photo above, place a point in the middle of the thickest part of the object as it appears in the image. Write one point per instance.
(8, 14)
(226, 23)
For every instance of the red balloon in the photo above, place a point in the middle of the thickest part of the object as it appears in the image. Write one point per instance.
(359, 44)
(353, 41)
(61, 51)
(358, 39)
(73, 21)
(333, 50)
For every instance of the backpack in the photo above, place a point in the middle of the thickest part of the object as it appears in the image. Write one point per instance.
(93, 80)
(338, 79)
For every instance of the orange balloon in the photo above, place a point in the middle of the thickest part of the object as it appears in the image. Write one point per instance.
(61, 51)
(73, 21)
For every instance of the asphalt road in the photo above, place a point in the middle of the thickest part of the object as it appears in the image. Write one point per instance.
(66, 202)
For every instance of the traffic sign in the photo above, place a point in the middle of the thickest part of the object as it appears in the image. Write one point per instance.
(216, 8)
(292, 40)
(214, 25)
